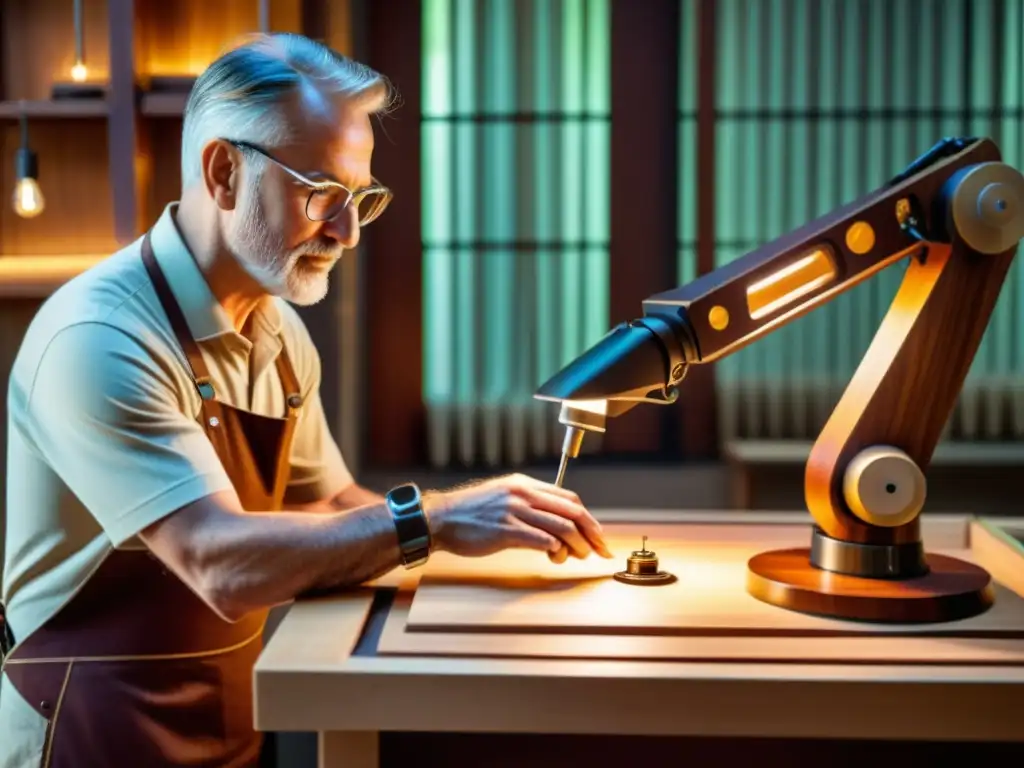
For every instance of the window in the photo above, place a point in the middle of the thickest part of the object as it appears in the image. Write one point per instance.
(515, 216)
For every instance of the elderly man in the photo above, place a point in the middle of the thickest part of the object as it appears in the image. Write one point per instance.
(171, 475)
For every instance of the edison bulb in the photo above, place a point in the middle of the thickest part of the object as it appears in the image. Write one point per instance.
(28, 198)
(79, 72)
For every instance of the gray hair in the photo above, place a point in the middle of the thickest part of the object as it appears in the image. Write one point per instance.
(241, 94)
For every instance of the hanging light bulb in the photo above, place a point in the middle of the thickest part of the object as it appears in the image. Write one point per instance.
(28, 197)
(79, 71)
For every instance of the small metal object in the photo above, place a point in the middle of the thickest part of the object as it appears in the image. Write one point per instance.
(561, 469)
(206, 390)
(642, 568)
(294, 401)
(570, 450)
(214, 421)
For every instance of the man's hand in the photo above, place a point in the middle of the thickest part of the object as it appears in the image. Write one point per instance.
(515, 511)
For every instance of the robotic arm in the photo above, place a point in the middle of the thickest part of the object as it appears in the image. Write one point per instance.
(956, 213)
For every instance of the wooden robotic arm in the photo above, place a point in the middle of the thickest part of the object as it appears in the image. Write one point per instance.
(957, 214)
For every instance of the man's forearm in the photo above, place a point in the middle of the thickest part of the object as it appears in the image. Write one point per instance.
(350, 497)
(241, 562)
(282, 556)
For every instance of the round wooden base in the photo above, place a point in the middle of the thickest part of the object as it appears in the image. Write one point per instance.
(953, 589)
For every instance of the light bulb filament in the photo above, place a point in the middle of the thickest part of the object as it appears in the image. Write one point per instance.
(28, 198)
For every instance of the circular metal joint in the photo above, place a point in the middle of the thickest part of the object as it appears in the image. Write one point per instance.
(872, 561)
(987, 207)
(883, 486)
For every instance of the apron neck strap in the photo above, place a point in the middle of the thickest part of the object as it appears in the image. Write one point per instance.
(200, 373)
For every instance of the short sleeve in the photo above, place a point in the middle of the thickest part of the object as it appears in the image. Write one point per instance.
(107, 418)
(318, 470)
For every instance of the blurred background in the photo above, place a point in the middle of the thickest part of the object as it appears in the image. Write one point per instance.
(554, 162)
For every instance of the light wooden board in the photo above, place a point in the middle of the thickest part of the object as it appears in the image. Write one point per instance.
(521, 592)
(397, 640)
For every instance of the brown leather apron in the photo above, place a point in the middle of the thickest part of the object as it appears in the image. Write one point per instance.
(136, 670)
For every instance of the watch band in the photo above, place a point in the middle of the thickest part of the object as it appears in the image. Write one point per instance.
(406, 505)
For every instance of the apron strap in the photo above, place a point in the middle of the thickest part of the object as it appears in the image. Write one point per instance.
(289, 381)
(200, 373)
(6, 635)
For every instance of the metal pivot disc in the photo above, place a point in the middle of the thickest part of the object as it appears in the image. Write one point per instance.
(988, 207)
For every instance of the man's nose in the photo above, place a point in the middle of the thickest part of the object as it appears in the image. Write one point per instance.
(344, 228)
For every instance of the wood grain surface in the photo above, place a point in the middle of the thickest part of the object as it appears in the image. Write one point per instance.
(397, 639)
(521, 591)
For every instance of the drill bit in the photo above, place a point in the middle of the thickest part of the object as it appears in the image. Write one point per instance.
(560, 477)
(570, 450)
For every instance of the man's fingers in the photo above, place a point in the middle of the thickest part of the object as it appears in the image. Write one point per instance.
(524, 536)
(557, 526)
(560, 556)
(575, 512)
(557, 490)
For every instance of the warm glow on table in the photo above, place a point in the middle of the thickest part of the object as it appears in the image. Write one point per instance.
(520, 589)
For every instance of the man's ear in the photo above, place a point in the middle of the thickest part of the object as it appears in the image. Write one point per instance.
(222, 173)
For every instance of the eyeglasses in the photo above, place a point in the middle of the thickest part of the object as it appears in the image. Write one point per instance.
(326, 198)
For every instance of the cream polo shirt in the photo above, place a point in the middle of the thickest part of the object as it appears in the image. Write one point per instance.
(104, 432)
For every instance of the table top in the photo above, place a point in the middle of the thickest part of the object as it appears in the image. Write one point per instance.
(333, 665)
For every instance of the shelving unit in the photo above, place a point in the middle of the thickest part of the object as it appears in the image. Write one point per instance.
(109, 164)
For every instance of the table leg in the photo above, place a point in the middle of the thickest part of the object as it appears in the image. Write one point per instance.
(348, 749)
(740, 482)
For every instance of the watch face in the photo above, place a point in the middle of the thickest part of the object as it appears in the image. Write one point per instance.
(403, 494)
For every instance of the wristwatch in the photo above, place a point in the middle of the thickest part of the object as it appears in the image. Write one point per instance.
(406, 505)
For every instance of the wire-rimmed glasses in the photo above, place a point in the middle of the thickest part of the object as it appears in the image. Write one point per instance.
(327, 199)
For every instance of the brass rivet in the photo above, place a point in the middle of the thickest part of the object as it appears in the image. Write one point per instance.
(718, 317)
(860, 237)
(903, 210)
(294, 401)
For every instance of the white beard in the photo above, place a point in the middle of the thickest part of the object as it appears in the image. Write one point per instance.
(277, 269)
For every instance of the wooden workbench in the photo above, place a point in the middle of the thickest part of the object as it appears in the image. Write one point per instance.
(513, 644)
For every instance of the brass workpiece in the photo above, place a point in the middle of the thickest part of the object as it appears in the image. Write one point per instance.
(642, 568)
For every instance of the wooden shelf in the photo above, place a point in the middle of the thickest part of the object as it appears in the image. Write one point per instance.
(169, 104)
(68, 109)
(38, 276)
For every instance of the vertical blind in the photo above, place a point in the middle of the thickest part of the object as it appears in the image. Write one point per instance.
(515, 215)
(818, 103)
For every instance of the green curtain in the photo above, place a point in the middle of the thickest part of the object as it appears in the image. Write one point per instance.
(515, 215)
(817, 103)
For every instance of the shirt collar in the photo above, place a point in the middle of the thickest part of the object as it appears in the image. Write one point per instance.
(205, 316)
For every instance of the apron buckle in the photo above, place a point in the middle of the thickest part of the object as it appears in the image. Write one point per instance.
(205, 387)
